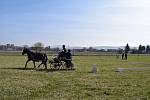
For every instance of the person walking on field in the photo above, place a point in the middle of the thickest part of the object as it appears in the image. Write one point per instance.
(126, 56)
(122, 55)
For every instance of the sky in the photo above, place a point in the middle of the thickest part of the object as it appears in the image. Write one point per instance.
(75, 22)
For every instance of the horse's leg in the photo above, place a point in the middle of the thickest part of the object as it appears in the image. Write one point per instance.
(34, 64)
(26, 63)
(40, 64)
(45, 63)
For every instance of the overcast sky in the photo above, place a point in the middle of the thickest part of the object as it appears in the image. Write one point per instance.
(75, 22)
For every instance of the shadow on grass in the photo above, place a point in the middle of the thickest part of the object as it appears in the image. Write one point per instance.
(46, 70)
(52, 70)
(19, 68)
(139, 63)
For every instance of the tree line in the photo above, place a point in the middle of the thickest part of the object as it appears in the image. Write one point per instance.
(142, 49)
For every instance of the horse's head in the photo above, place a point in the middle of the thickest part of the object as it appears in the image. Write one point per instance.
(25, 50)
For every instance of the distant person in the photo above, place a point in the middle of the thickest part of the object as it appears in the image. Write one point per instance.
(122, 55)
(126, 56)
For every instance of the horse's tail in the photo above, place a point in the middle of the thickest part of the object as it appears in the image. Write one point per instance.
(45, 58)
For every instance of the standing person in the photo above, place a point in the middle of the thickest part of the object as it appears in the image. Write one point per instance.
(122, 55)
(126, 56)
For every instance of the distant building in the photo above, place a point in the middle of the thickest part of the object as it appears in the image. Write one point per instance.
(8, 47)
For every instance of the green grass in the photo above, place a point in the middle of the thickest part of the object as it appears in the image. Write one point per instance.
(79, 84)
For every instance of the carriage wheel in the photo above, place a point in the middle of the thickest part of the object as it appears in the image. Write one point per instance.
(62, 65)
(55, 66)
(70, 66)
(51, 65)
(59, 65)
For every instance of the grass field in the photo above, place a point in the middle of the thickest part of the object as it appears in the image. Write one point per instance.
(19, 84)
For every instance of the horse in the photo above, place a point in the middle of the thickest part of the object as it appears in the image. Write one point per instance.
(35, 57)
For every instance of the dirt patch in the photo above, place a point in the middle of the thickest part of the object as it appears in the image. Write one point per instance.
(140, 63)
(123, 69)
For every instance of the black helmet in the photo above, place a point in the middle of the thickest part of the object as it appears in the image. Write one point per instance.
(69, 50)
(63, 45)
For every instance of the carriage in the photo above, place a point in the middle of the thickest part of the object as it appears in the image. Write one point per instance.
(61, 62)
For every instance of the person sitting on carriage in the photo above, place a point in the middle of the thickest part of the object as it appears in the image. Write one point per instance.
(62, 54)
(64, 49)
(68, 58)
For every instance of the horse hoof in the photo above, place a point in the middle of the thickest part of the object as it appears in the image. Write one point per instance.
(35, 68)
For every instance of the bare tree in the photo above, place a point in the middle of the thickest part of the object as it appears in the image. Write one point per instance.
(25, 46)
(38, 46)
